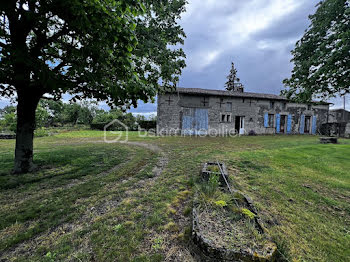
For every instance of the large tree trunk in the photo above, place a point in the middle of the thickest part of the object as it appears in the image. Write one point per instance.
(26, 107)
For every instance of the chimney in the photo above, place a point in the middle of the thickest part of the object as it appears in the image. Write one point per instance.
(238, 87)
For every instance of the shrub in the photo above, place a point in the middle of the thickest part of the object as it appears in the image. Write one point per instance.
(41, 132)
(252, 133)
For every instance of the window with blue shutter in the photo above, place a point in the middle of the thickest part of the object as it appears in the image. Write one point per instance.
(314, 122)
(289, 124)
(302, 124)
(266, 120)
(278, 123)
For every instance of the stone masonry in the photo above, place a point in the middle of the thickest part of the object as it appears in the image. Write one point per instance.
(222, 112)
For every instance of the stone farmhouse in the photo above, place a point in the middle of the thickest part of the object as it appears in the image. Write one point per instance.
(194, 111)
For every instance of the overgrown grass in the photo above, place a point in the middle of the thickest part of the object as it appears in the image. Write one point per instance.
(77, 207)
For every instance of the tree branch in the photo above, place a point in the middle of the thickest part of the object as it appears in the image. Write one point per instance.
(2, 45)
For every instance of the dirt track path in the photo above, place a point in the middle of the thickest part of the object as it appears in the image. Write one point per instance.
(104, 206)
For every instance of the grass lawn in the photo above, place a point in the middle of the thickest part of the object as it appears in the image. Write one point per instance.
(103, 202)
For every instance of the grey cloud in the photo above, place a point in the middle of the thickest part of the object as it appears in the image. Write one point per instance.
(261, 57)
(291, 26)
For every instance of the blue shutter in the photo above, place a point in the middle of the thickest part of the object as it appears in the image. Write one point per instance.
(266, 120)
(314, 120)
(278, 123)
(289, 124)
(302, 124)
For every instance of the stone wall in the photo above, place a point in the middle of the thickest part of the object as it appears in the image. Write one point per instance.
(171, 106)
(347, 131)
(339, 116)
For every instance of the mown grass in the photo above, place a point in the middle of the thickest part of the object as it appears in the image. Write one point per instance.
(77, 208)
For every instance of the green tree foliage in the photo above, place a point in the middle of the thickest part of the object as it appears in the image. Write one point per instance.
(103, 118)
(8, 119)
(42, 116)
(322, 56)
(232, 80)
(113, 51)
(60, 114)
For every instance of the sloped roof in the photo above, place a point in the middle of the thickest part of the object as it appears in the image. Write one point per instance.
(201, 91)
(340, 110)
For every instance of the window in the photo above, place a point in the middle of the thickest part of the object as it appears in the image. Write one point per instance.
(243, 100)
(228, 107)
(271, 120)
(205, 101)
(221, 102)
(272, 105)
(308, 107)
(226, 118)
(284, 106)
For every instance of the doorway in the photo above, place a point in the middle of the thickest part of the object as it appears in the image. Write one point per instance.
(283, 124)
(307, 124)
(239, 125)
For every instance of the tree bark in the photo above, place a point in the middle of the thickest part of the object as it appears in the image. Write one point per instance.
(26, 107)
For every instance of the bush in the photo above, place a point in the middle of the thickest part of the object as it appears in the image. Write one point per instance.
(252, 133)
(147, 124)
(41, 132)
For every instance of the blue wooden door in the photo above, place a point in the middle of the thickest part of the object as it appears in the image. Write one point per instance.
(201, 121)
(195, 121)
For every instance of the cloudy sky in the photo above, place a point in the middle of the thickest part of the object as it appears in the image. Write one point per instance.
(257, 35)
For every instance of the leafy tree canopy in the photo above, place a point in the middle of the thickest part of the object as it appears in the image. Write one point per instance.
(117, 51)
(322, 56)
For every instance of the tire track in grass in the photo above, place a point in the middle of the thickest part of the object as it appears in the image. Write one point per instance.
(28, 247)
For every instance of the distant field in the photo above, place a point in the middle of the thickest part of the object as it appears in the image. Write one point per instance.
(96, 201)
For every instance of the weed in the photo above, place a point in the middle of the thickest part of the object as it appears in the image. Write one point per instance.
(51, 257)
(213, 168)
(171, 226)
(220, 203)
(249, 214)
(157, 244)
(117, 228)
(209, 188)
(188, 211)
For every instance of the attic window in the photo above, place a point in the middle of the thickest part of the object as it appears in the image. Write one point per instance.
(308, 107)
(205, 101)
(284, 106)
(272, 104)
